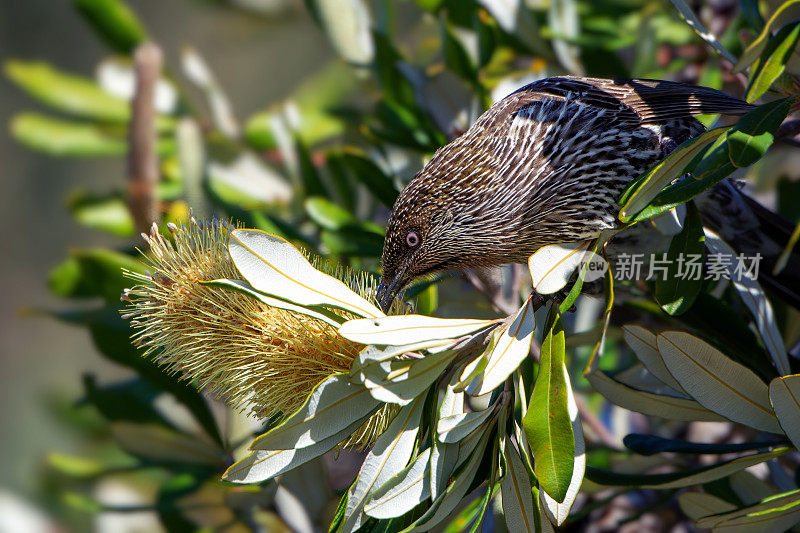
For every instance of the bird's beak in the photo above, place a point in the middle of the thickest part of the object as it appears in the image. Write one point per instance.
(388, 291)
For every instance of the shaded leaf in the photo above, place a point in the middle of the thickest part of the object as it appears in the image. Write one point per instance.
(676, 291)
(784, 395)
(773, 61)
(114, 21)
(754, 132)
(755, 48)
(404, 491)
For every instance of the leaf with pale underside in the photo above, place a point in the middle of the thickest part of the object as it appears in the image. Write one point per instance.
(264, 464)
(454, 428)
(444, 457)
(518, 503)
(551, 266)
(716, 381)
(647, 403)
(387, 458)
(275, 267)
(696, 24)
(408, 329)
(784, 395)
(645, 345)
(402, 381)
(753, 296)
(245, 288)
(334, 403)
(510, 349)
(404, 491)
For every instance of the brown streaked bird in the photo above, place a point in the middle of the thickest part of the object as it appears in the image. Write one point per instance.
(546, 165)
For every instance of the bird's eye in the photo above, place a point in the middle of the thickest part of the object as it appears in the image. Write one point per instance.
(412, 239)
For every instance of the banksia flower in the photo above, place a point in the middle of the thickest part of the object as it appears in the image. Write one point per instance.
(256, 357)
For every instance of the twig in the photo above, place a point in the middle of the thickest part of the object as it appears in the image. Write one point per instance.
(142, 156)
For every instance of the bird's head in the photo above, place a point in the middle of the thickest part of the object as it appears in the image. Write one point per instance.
(421, 238)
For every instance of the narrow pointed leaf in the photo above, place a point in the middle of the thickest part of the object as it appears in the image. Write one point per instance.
(511, 348)
(518, 503)
(444, 457)
(387, 458)
(547, 423)
(645, 345)
(556, 511)
(244, 287)
(694, 22)
(454, 428)
(754, 49)
(275, 267)
(264, 464)
(716, 381)
(683, 478)
(332, 404)
(402, 381)
(647, 403)
(551, 266)
(773, 61)
(676, 291)
(777, 513)
(754, 133)
(645, 188)
(756, 301)
(403, 492)
(697, 505)
(784, 395)
(408, 329)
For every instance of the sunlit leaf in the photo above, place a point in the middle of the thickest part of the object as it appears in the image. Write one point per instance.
(548, 422)
(402, 381)
(777, 513)
(512, 346)
(551, 266)
(409, 329)
(754, 132)
(454, 428)
(114, 21)
(773, 61)
(755, 48)
(694, 22)
(63, 138)
(404, 491)
(332, 404)
(518, 504)
(387, 458)
(646, 187)
(348, 26)
(275, 267)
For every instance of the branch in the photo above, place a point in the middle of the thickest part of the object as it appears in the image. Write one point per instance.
(142, 155)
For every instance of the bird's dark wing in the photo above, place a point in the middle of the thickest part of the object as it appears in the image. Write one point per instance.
(650, 101)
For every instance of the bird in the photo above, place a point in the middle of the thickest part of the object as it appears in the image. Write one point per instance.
(547, 165)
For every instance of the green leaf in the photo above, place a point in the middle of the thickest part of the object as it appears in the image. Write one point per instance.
(158, 444)
(93, 272)
(114, 21)
(682, 478)
(694, 22)
(365, 171)
(754, 133)
(327, 214)
(677, 291)
(130, 400)
(265, 464)
(547, 423)
(105, 213)
(352, 242)
(646, 187)
(75, 95)
(754, 49)
(428, 300)
(773, 61)
(456, 57)
(62, 138)
(312, 182)
(716, 381)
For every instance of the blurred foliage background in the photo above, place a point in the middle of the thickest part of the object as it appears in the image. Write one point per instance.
(300, 118)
